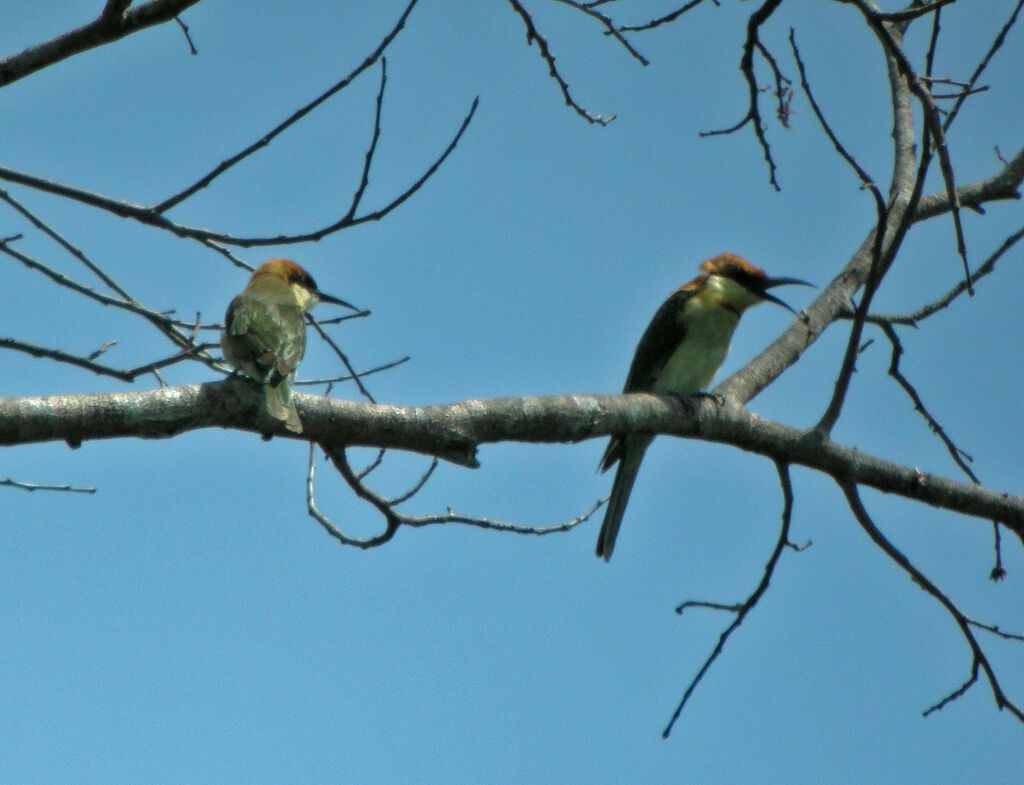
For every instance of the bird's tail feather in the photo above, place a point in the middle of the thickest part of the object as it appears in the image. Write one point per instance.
(625, 475)
(281, 406)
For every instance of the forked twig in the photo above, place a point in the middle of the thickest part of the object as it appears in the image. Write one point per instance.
(753, 114)
(393, 519)
(979, 662)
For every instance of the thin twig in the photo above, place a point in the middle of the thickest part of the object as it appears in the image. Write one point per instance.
(610, 28)
(29, 486)
(979, 660)
(103, 370)
(960, 458)
(149, 217)
(159, 320)
(783, 87)
(372, 465)
(753, 115)
(998, 570)
(184, 29)
(417, 486)
(943, 302)
(268, 137)
(663, 20)
(66, 244)
(867, 182)
(368, 160)
(532, 34)
(997, 44)
(352, 376)
(994, 629)
(393, 519)
(742, 609)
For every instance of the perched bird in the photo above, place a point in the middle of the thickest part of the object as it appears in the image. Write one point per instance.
(265, 332)
(678, 355)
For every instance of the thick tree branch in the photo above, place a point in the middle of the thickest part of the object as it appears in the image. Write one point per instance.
(1004, 185)
(834, 301)
(453, 432)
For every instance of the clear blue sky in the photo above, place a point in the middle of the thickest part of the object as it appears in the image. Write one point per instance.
(190, 624)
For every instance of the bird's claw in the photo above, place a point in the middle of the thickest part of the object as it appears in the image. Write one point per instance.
(716, 397)
(687, 399)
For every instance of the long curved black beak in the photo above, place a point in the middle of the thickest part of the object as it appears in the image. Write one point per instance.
(326, 298)
(770, 282)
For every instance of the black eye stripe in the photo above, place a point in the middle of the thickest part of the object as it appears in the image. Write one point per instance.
(746, 280)
(303, 279)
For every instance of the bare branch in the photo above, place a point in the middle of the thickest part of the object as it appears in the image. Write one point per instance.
(354, 375)
(393, 519)
(783, 89)
(609, 27)
(147, 216)
(742, 609)
(368, 161)
(994, 629)
(753, 115)
(663, 20)
(87, 363)
(532, 34)
(997, 44)
(887, 34)
(943, 302)
(76, 252)
(881, 247)
(417, 487)
(959, 457)
(267, 138)
(453, 432)
(340, 461)
(113, 24)
(29, 486)
(979, 660)
(867, 182)
(1003, 185)
(159, 320)
(372, 465)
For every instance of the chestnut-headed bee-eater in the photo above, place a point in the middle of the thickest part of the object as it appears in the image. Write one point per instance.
(265, 332)
(683, 346)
